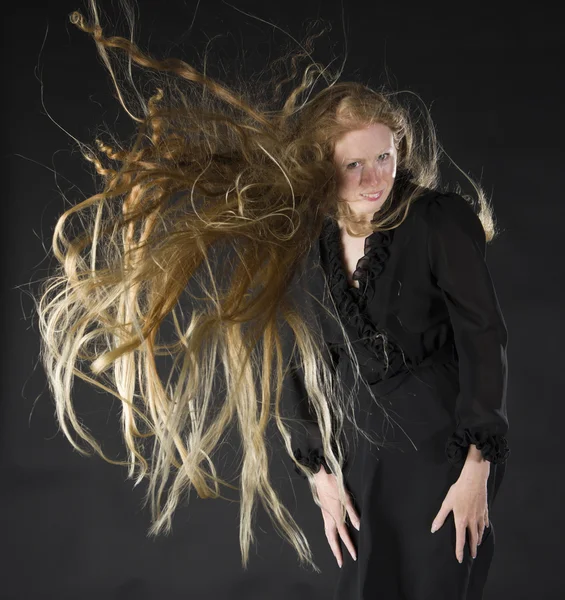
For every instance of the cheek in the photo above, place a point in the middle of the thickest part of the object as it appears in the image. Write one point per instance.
(347, 180)
(390, 171)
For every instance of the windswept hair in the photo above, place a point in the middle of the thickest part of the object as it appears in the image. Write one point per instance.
(218, 197)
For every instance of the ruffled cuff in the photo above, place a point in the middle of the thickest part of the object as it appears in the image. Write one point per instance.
(314, 459)
(494, 447)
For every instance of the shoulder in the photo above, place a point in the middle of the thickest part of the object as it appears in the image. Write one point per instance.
(444, 213)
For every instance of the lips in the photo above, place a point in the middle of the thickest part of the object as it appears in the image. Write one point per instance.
(373, 196)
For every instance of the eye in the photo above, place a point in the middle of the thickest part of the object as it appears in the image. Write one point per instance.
(382, 158)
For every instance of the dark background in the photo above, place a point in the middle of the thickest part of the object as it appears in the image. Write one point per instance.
(72, 527)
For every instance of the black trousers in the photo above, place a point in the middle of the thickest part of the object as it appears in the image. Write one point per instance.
(398, 490)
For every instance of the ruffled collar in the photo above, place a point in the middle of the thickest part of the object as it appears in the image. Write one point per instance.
(369, 267)
(351, 302)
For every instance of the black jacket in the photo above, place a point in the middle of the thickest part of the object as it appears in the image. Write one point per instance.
(425, 294)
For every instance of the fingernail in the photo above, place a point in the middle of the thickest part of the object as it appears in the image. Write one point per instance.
(434, 528)
(475, 556)
(357, 525)
(339, 564)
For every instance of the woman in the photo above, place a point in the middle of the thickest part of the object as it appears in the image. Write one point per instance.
(220, 225)
(425, 285)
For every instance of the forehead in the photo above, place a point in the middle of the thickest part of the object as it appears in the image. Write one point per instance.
(375, 137)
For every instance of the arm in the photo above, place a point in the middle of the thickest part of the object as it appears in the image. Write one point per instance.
(307, 441)
(456, 248)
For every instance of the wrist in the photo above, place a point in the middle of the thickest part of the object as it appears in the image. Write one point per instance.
(475, 460)
(475, 455)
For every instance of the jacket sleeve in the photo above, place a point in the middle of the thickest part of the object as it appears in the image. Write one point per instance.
(305, 433)
(457, 249)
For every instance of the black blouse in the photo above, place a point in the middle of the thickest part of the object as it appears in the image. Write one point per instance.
(425, 292)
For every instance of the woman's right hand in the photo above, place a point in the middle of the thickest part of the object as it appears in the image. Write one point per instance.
(327, 488)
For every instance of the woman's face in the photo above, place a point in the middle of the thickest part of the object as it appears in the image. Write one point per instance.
(365, 161)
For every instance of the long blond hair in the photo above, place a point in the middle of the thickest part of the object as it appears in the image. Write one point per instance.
(214, 206)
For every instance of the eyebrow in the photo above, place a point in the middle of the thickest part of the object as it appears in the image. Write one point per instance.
(387, 149)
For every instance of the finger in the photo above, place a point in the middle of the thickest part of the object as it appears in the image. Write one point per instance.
(460, 533)
(344, 534)
(333, 540)
(481, 532)
(440, 518)
(473, 538)
(353, 516)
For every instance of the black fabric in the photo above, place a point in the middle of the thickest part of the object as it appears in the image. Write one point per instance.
(438, 291)
(431, 341)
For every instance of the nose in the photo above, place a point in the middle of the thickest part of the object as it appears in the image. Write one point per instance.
(369, 175)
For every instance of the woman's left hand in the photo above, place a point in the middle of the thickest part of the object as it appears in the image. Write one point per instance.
(467, 498)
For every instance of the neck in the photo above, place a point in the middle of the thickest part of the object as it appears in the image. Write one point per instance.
(363, 227)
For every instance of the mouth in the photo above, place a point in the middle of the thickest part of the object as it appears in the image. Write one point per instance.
(374, 196)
